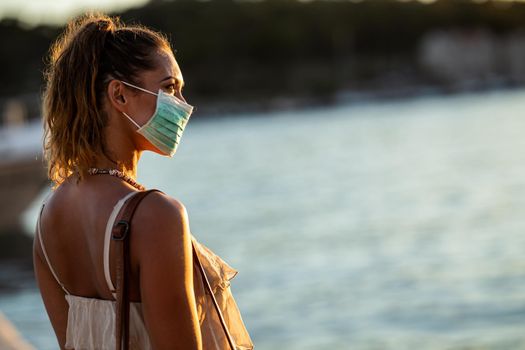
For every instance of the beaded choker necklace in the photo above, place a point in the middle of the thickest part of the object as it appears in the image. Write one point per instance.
(117, 173)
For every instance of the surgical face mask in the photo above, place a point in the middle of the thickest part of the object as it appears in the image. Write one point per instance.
(164, 128)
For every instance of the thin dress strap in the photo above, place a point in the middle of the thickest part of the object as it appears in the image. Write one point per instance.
(107, 240)
(39, 234)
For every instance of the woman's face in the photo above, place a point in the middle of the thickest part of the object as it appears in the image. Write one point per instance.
(140, 105)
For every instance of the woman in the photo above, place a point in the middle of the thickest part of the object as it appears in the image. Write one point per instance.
(112, 92)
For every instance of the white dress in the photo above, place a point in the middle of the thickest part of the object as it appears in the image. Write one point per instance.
(91, 321)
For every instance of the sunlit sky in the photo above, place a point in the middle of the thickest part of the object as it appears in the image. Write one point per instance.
(58, 11)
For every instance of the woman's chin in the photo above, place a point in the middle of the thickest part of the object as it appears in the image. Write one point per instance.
(154, 149)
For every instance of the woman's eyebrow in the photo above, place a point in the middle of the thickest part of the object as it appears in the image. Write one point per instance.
(178, 81)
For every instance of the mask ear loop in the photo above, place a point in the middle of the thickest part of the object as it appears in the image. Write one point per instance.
(134, 122)
(138, 88)
(178, 100)
(141, 89)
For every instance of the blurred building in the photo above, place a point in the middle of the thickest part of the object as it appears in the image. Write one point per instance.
(476, 56)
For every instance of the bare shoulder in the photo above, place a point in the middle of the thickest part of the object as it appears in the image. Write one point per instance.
(160, 222)
(162, 207)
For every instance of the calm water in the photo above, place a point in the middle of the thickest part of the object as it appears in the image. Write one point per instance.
(397, 225)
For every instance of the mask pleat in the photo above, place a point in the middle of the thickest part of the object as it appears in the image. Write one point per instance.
(164, 129)
(161, 141)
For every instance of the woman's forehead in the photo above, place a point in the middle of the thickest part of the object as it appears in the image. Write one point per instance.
(165, 67)
(168, 65)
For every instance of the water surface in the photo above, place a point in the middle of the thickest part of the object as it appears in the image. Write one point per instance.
(395, 225)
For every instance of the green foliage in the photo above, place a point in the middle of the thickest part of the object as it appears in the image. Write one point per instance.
(240, 49)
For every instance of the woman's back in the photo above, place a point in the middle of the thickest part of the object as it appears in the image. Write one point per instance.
(72, 228)
(74, 223)
(89, 292)
(73, 239)
(91, 316)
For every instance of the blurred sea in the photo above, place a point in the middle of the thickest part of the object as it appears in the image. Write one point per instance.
(392, 225)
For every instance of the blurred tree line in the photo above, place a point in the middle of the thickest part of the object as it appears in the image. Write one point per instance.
(241, 51)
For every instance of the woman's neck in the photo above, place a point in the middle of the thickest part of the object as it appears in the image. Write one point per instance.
(120, 151)
(125, 163)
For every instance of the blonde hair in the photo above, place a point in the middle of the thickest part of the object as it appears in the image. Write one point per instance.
(92, 50)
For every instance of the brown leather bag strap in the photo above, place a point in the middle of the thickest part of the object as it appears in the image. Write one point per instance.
(120, 235)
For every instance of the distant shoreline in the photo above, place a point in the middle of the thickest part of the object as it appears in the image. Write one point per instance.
(231, 107)
(212, 109)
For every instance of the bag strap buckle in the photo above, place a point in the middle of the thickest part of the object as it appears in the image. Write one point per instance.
(120, 235)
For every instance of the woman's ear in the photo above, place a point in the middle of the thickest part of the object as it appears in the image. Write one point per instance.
(116, 94)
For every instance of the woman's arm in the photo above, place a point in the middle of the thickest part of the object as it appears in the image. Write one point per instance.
(164, 253)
